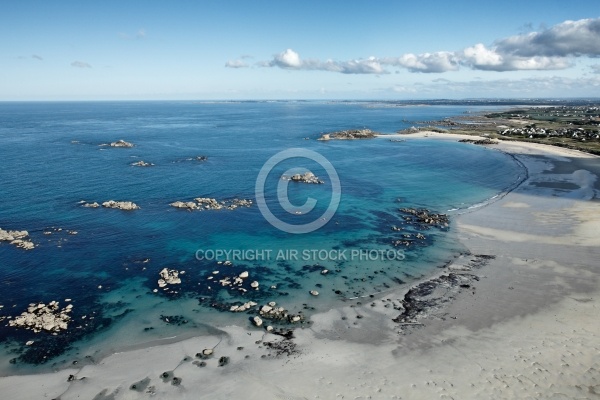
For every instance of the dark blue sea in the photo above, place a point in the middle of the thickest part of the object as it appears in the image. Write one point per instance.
(53, 158)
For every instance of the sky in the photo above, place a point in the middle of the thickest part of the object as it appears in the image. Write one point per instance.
(230, 50)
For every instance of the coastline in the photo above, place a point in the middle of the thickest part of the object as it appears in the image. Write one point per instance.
(526, 325)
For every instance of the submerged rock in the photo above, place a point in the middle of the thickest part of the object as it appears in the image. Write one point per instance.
(141, 163)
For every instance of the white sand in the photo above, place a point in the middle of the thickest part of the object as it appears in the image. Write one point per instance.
(529, 328)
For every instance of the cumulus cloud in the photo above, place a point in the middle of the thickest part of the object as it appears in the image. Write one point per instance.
(569, 38)
(441, 61)
(596, 68)
(482, 58)
(80, 64)
(289, 59)
(549, 49)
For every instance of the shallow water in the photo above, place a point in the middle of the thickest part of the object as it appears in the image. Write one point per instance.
(53, 159)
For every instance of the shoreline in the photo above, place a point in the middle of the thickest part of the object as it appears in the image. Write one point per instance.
(517, 330)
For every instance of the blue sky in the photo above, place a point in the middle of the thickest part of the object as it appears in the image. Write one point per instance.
(208, 50)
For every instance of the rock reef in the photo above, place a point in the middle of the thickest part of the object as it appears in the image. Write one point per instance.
(206, 203)
(41, 317)
(350, 134)
(425, 217)
(90, 205)
(121, 205)
(121, 143)
(141, 163)
(17, 238)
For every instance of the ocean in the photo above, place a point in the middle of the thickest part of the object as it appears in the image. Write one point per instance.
(106, 262)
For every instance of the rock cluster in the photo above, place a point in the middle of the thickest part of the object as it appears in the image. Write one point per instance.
(120, 205)
(272, 312)
(142, 163)
(17, 238)
(206, 203)
(243, 307)
(169, 277)
(307, 177)
(90, 205)
(237, 282)
(121, 143)
(425, 217)
(349, 135)
(481, 142)
(41, 317)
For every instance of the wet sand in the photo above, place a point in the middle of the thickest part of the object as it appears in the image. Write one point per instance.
(519, 321)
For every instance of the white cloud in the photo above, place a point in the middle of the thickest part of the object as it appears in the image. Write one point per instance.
(596, 68)
(570, 38)
(236, 64)
(80, 64)
(550, 49)
(289, 59)
(480, 57)
(441, 61)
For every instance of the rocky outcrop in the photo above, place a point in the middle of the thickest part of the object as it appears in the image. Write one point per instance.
(121, 205)
(243, 307)
(169, 277)
(142, 163)
(121, 143)
(41, 317)
(90, 205)
(206, 203)
(425, 217)
(17, 238)
(307, 177)
(349, 135)
(481, 142)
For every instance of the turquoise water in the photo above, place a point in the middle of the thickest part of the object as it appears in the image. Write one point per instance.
(52, 159)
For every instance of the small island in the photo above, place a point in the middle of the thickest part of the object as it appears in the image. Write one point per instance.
(120, 205)
(121, 143)
(206, 203)
(307, 177)
(350, 134)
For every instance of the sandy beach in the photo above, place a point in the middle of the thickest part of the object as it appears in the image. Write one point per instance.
(522, 322)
